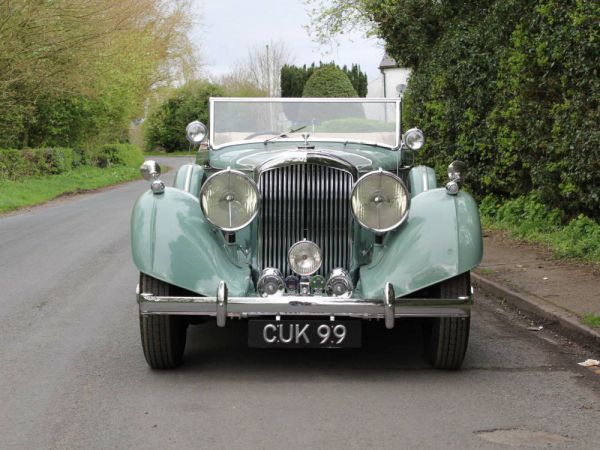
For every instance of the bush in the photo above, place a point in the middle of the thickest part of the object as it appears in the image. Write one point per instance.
(16, 164)
(117, 155)
(510, 87)
(12, 164)
(294, 78)
(328, 81)
(165, 127)
(38, 161)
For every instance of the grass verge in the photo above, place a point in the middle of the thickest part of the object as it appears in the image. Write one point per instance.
(31, 191)
(527, 219)
(182, 153)
(591, 320)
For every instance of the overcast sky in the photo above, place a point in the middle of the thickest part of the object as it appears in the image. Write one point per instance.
(229, 27)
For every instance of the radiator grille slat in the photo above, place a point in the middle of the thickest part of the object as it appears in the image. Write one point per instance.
(305, 201)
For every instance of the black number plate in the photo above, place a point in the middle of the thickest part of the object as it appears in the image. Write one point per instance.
(304, 333)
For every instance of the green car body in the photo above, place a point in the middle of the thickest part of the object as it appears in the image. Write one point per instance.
(174, 242)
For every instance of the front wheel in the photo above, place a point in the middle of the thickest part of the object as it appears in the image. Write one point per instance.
(163, 336)
(448, 337)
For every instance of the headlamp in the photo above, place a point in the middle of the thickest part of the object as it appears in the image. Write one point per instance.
(380, 201)
(305, 258)
(195, 132)
(414, 139)
(229, 200)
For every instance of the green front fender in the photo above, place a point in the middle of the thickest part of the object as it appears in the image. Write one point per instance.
(172, 241)
(441, 239)
(189, 178)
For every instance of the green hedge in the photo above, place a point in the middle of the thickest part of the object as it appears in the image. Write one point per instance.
(117, 155)
(509, 86)
(15, 164)
(37, 161)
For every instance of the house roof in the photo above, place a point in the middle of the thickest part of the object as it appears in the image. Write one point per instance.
(387, 62)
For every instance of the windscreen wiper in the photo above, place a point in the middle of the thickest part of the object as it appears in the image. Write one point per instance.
(285, 132)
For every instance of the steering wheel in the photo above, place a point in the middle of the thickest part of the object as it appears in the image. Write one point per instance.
(260, 133)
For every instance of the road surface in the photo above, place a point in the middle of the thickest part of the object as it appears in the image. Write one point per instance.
(72, 373)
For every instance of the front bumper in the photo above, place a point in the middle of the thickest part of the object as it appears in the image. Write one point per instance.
(223, 307)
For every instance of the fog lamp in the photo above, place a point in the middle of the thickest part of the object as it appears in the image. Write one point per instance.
(270, 283)
(305, 257)
(339, 283)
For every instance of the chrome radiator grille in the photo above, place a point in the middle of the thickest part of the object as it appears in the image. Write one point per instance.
(305, 201)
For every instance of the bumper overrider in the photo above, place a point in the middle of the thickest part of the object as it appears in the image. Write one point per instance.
(222, 306)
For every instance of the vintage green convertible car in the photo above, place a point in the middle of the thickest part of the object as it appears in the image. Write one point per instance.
(305, 217)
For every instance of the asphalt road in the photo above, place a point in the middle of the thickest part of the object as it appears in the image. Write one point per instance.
(72, 373)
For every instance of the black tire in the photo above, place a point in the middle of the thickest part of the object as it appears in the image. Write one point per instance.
(163, 337)
(449, 336)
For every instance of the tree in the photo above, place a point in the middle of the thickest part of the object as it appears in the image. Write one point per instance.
(238, 84)
(328, 81)
(98, 59)
(263, 65)
(165, 127)
(329, 19)
(358, 79)
(294, 78)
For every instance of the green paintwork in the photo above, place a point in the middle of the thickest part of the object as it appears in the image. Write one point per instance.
(421, 179)
(248, 156)
(440, 239)
(172, 241)
(196, 178)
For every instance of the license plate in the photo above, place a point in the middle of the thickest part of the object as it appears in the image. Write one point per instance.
(304, 333)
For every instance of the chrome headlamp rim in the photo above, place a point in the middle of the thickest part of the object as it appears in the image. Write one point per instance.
(254, 187)
(191, 137)
(411, 132)
(406, 211)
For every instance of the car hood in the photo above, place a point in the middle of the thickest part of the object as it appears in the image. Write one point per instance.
(248, 157)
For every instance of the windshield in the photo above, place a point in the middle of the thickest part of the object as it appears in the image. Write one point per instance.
(372, 121)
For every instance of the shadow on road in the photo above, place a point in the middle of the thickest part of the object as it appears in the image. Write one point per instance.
(226, 349)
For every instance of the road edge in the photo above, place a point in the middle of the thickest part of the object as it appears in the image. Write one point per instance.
(567, 322)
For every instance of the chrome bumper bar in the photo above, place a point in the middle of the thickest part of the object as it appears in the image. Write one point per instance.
(222, 306)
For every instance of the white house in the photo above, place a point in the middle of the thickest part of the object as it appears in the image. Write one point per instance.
(392, 81)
